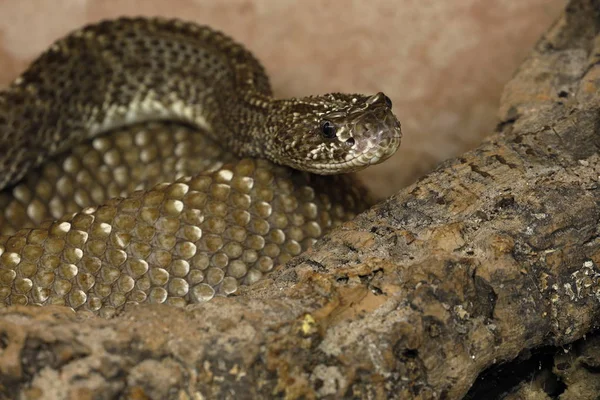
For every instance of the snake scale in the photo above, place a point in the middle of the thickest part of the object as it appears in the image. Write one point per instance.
(146, 160)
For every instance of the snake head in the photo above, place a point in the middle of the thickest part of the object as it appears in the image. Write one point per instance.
(335, 133)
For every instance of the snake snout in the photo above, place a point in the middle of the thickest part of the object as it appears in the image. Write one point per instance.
(378, 136)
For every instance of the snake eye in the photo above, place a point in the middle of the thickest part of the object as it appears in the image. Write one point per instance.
(388, 101)
(327, 130)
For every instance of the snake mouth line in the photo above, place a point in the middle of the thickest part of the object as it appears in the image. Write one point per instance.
(331, 167)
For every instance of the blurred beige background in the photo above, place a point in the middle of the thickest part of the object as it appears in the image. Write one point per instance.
(443, 63)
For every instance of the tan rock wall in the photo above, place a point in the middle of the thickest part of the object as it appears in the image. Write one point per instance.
(443, 63)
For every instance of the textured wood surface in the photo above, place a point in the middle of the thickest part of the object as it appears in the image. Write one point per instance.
(493, 253)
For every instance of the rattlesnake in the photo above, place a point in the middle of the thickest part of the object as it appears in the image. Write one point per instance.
(152, 84)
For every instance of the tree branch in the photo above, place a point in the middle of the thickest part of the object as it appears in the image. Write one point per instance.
(493, 253)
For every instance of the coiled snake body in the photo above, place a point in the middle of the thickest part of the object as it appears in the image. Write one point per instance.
(98, 228)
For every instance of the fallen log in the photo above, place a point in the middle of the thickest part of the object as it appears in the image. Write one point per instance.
(493, 253)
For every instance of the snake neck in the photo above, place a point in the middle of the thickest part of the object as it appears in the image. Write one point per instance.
(246, 125)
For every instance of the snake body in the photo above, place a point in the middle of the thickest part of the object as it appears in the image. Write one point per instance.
(97, 228)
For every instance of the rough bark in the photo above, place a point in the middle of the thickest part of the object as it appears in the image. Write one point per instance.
(493, 253)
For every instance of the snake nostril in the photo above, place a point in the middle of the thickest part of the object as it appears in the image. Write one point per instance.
(350, 142)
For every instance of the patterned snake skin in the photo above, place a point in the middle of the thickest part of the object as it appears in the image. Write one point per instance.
(99, 226)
